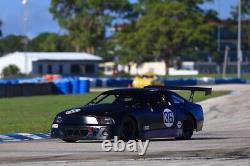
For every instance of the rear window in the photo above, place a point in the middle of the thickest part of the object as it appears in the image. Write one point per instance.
(176, 99)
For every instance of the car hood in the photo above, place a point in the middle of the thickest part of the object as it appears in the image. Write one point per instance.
(98, 110)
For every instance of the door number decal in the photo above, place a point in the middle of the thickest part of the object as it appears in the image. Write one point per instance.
(168, 117)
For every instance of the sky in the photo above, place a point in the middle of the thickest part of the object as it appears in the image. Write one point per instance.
(40, 20)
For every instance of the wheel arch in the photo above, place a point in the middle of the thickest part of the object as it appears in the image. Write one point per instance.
(135, 119)
(139, 124)
(194, 119)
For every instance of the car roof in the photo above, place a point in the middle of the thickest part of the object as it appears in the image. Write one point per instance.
(133, 91)
(140, 91)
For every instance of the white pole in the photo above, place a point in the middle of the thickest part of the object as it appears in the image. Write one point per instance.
(225, 62)
(218, 31)
(25, 21)
(239, 53)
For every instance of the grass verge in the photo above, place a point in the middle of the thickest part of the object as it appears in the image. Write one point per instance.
(35, 114)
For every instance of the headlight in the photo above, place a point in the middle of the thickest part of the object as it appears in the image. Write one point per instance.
(91, 120)
(58, 119)
(54, 126)
(105, 120)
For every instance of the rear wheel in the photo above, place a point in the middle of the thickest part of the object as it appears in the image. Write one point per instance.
(188, 128)
(129, 130)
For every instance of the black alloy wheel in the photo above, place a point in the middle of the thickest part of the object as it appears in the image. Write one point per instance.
(129, 130)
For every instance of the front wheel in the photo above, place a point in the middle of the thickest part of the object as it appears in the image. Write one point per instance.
(128, 130)
(188, 128)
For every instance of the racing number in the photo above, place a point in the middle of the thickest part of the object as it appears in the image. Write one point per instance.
(168, 117)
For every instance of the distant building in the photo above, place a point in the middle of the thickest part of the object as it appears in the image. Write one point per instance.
(64, 63)
(158, 68)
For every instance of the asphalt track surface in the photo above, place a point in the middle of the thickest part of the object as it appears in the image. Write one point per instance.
(225, 140)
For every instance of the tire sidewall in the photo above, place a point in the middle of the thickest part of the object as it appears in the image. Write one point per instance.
(188, 127)
(133, 136)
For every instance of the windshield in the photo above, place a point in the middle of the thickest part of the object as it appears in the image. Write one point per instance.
(112, 99)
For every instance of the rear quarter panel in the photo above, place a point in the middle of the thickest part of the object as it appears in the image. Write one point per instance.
(197, 112)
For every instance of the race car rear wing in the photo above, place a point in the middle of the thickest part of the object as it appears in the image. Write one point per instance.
(192, 89)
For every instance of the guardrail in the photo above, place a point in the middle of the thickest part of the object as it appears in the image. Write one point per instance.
(81, 85)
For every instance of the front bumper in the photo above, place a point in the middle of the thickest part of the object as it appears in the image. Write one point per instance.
(81, 132)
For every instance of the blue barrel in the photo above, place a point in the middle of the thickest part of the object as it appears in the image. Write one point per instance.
(4, 82)
(13, 82)
(84, 86)
(125, 82)
(230, 81)
(62, 86)
(74, 85)
(180, 82)
(122, 82)
(110, 82)
(98, 83)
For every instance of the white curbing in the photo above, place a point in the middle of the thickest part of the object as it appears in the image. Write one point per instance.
(15, 137)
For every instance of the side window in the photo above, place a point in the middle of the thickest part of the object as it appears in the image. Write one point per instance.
(108, 100)
(158, 100)
(177, 99)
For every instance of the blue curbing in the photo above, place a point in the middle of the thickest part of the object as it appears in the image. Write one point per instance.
(16, 137)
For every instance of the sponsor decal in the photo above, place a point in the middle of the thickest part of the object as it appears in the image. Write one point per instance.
(121, 146)
(146, 127)
(168, 117)
(179, 124)
(72, 111)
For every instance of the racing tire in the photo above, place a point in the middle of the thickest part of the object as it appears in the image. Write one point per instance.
(70, 140)
(129, 130)
(187, 129)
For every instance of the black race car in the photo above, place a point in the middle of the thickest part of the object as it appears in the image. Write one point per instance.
(150, 112)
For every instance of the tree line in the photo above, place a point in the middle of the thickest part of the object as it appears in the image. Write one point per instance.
(47, 42)
(138, 31)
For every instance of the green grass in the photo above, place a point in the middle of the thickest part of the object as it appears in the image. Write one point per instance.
(35, 114)
(199, 96)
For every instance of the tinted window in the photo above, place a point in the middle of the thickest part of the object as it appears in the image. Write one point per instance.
(103, 99)
(176, 99)
(156, 100)
(108, 99)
